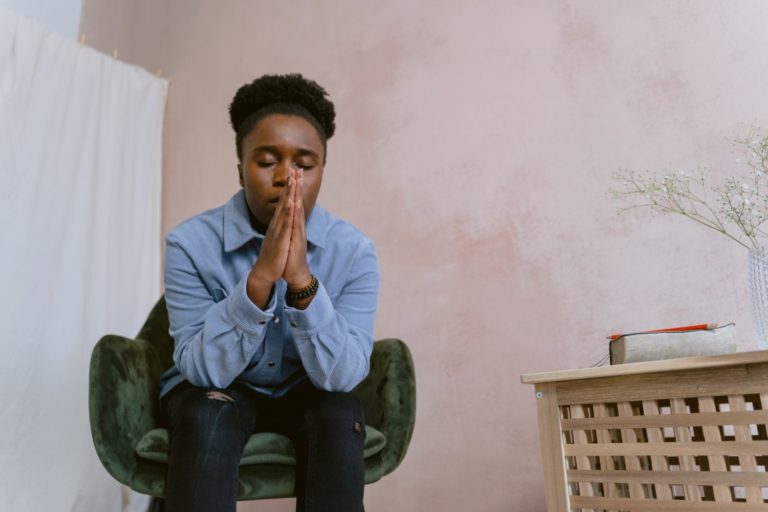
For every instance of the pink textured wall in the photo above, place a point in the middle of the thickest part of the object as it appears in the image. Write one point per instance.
(475, 145)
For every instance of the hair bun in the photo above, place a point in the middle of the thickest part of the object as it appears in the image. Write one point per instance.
(290, 89)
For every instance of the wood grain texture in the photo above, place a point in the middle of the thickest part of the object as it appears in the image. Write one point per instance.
(717, 465)
(744, 379)
(551, 440)
(659, 463)
(693, 439)
(667, 365)
(670, 449)
(668, 420)
(629, 505)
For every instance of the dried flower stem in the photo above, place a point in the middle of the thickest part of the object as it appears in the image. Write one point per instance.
(739, 208)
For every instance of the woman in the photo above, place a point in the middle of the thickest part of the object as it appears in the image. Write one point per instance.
(271, 302)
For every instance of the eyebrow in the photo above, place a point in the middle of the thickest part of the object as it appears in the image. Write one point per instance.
(275, 149)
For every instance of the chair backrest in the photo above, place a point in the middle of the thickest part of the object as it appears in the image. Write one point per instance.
(155, 331)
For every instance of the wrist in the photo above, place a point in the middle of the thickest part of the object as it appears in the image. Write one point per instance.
(258, 281)
(302, 296)
(303, 280)
(259, 289)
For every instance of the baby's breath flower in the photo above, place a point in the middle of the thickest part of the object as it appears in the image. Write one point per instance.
(737, 209)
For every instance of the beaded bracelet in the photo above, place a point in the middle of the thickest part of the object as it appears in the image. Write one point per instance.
(303, 293)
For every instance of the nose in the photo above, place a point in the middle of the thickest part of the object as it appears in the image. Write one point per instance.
(280, 174)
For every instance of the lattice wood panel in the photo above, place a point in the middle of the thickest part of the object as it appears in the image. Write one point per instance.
(706, 452)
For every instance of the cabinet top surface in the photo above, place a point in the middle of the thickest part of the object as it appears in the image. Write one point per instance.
(666, 365)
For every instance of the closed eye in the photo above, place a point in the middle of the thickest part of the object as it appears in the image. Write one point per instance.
(265, 164)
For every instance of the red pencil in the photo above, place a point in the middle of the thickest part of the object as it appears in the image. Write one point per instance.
(698, 327)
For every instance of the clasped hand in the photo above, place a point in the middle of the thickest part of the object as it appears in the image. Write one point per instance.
(284, 251)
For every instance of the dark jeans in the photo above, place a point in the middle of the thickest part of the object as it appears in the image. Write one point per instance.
(207, 437)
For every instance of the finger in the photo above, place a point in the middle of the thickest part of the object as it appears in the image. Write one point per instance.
(283, 215)
(298, 196)
(290, 203)
(282, 220)
(297, 228)
(286, 197)
(290, 187)
(285, 194)
(302, 211)
(299, 222)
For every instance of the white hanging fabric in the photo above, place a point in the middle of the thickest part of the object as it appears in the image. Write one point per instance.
(80, 191)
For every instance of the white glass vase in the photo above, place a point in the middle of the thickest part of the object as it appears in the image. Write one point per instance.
(758, 291)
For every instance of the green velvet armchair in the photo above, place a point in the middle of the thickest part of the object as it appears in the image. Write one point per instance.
(124, 411)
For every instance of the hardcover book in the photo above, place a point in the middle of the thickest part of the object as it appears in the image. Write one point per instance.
(704, 340)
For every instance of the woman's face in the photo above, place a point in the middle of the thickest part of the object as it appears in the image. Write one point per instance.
(277, 143)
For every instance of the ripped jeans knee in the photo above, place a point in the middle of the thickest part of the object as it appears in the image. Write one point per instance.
(219, 396)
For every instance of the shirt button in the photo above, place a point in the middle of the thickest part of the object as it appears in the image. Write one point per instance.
(277, 319)
(271, 364)
(294, 324)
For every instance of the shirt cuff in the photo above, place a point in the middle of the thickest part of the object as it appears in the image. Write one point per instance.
(319, 312)
(244, 313)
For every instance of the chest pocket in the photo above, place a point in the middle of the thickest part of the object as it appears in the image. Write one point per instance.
(218, 294)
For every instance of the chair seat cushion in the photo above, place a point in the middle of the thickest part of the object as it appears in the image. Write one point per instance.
(261, 448)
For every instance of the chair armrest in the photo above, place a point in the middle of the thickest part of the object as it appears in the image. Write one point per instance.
(389, 395)
(122, 400)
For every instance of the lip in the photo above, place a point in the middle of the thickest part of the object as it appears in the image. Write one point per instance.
(274, 200)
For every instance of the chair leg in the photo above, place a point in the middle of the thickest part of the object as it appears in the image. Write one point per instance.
(156, 505)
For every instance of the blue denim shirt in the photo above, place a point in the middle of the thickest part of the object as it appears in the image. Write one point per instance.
(221, 336)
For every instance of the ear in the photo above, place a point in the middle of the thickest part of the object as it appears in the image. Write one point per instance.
(240, 174)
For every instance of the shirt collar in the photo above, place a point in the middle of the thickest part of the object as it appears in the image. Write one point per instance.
(238, 229)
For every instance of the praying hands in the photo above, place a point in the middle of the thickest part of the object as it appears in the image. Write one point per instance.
(284, 251)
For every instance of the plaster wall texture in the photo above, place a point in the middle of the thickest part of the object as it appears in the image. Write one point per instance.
(476, 143)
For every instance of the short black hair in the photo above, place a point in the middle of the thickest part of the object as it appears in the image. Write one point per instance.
(290, 94)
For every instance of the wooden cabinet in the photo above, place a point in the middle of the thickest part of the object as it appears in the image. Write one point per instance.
(680, 434)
